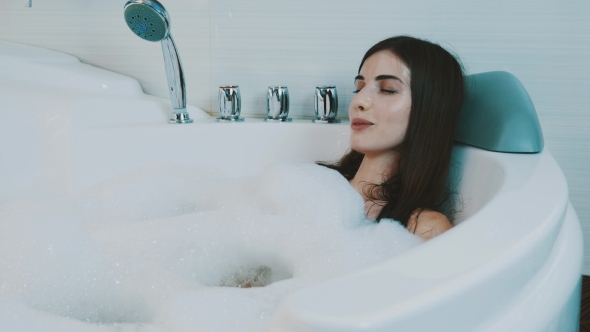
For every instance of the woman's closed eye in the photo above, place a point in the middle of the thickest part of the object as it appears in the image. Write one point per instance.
(358, 86)
(387, 87)
(385, 91)
(383, 88)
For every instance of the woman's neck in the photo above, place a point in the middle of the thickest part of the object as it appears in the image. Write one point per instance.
(375, 169)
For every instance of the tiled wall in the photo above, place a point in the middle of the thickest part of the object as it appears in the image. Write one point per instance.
(305, 43)
(95, 32)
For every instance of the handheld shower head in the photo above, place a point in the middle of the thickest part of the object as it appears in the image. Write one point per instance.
(149, 20)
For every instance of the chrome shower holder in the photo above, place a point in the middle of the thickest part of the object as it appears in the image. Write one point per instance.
(149, 20)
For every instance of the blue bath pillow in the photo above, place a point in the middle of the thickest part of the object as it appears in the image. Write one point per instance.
(498, 115)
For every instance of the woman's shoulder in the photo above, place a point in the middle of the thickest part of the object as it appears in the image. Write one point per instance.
(428, 223)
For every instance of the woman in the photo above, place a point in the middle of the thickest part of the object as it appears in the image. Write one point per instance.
(409, 94)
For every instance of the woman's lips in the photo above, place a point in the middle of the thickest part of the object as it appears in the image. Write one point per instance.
(360, 124)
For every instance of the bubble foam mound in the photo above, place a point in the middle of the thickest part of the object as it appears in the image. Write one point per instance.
(151, 250)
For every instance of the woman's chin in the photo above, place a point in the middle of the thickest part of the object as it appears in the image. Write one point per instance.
(361, 149)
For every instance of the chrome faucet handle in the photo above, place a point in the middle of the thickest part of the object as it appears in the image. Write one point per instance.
(229, 103)
(326, 104)
(277, 104)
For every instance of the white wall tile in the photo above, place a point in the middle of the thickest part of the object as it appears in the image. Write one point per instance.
(95, 32)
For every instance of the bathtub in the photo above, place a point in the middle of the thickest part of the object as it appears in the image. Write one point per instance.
(512, 262)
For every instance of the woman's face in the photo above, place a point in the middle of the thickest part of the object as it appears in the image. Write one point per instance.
(379, 113)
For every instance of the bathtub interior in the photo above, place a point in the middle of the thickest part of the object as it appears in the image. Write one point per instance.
(474, 179)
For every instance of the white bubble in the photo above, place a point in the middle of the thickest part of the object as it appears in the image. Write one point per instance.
(183, 249)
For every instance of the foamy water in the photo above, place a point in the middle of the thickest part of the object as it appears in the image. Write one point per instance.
(163, 249)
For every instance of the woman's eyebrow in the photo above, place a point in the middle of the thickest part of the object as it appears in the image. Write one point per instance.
(388, 77)
(381, 78)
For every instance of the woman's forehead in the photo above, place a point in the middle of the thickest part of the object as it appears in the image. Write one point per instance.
(385, 63)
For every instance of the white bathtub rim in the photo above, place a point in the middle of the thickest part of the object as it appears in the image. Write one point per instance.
(551, 217)
(564, 264)
(518, 314)
(38, 66)
(481, 215)
(542, 237)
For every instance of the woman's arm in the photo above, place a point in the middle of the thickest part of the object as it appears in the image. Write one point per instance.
(428, 224)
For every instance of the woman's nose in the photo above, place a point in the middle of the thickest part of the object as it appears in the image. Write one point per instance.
(361, 102)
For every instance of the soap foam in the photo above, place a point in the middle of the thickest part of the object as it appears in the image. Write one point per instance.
(151, 249)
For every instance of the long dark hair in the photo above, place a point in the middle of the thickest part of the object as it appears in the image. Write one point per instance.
(437, 91)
